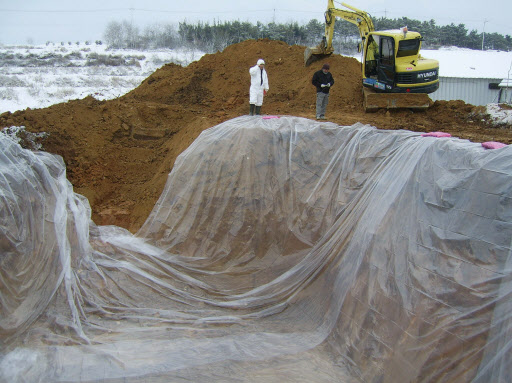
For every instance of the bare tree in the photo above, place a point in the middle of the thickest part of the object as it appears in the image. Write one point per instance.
(221, 39)
(131, 34)
(114, 35)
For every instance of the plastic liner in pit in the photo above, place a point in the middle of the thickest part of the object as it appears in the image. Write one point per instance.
(281, 249)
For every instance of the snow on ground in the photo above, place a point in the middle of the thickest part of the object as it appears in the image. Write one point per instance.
(469, 63)
(43, 75)
(499, 115)
(40, 76)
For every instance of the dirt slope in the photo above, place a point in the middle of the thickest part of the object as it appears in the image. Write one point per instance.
(119, 152)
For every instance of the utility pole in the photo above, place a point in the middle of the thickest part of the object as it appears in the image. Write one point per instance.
(483, 34)
(131, 37)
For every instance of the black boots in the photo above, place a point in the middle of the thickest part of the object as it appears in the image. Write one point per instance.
(254, 110)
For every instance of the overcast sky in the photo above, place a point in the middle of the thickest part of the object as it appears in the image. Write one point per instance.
(39, 21)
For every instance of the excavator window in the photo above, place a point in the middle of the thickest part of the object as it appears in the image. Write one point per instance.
(371, 57)
(387, 51)
(408, 48)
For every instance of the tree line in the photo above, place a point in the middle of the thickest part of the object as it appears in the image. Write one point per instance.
(216, 36)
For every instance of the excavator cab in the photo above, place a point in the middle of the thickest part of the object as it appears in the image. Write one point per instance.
(392, 63)
(394, 74)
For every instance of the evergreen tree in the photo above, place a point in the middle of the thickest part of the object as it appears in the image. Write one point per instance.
(217, 36)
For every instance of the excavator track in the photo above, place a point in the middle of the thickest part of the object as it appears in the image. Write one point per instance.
(374, 101)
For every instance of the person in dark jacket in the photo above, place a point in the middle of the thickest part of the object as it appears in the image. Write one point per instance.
(323, 81)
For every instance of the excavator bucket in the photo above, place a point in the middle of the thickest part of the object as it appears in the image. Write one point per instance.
(374, 101)
(314, 54)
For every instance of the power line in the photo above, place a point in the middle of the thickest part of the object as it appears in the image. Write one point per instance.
(133, 9)
(270, 11)
(63, 10)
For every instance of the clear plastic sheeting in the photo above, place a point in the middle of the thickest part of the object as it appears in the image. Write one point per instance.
(281, 249)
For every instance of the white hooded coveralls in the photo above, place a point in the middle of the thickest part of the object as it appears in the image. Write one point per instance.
(257, 85)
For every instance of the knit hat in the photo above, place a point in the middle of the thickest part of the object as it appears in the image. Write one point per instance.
(326, 66)
(260, 62)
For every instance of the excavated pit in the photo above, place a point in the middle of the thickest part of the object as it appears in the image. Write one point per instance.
(278, 248)
(281, 249)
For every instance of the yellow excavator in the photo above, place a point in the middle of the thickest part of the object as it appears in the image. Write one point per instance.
(394, 74)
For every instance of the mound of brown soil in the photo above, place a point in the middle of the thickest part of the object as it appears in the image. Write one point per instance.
(118, 153)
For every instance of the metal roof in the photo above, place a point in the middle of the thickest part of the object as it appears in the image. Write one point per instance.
(468, 63)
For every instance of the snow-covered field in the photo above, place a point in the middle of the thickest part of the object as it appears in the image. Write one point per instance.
(43, 75)
(40, 76)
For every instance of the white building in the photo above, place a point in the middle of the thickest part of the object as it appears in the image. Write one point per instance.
(475, 77)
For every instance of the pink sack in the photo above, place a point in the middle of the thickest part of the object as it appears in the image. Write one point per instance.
(493, 145)
(436, 134)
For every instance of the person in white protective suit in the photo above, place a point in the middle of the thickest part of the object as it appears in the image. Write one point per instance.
(259, 87)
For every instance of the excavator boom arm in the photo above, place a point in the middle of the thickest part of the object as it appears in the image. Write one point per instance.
(355, 16)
